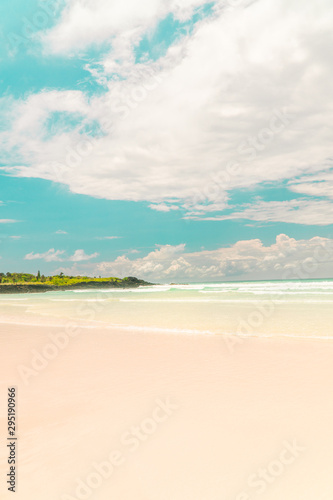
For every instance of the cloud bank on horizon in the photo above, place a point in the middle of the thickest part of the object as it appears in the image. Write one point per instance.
(186, 105)
(287, 258)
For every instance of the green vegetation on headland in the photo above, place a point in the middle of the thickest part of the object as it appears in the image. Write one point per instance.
(29, 283)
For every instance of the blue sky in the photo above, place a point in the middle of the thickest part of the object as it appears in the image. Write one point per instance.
(155, 140)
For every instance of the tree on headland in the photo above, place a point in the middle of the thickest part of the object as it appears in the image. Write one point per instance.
(61, 280)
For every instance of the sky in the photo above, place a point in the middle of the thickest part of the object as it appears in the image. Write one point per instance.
(170, 140)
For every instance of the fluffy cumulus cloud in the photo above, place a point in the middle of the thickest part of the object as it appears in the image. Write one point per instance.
(251, 259)
(80, 255)
(238, 101)
(53, 255)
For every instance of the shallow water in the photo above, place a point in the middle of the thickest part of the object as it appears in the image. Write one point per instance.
(264, 308)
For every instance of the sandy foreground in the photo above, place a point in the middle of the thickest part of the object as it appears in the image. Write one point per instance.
(134, 416)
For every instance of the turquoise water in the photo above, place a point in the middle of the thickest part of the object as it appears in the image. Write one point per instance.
(301, 308)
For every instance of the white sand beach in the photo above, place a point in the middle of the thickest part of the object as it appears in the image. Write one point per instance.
(138, 416)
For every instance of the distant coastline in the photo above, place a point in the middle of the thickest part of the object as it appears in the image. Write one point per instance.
(61, 283)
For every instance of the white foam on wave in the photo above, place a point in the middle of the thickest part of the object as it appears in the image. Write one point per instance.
(228, 301)
(167, 301)
(155, 288)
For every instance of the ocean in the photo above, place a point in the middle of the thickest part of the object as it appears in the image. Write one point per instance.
(250, 308)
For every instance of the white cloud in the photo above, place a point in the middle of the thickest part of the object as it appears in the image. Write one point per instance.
(49, 256)
(163, 207)
(299, 211)
(60, 231)
(53, 255)
(314, 185)
(251, 259)
(96, 21)
(250, 85)
(8, 221)
(108, 237)
(15, 237)
(80, 255)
